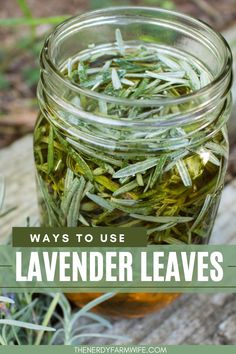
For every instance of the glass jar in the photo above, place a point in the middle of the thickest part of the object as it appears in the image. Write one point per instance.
(162, 168)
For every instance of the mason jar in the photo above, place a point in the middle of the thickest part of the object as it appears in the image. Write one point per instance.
(150, 158)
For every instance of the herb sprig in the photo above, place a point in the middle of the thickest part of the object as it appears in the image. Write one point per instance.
(172, 191)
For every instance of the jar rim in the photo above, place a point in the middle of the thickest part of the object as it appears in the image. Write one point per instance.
(220, 77)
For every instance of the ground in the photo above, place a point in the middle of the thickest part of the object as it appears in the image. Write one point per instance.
(20, 49)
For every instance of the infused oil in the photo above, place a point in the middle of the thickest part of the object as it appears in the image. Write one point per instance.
(132, 133)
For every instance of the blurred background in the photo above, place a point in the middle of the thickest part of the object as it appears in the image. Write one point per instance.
(24, 25)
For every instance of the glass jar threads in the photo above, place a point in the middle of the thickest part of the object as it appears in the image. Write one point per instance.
(132, 128)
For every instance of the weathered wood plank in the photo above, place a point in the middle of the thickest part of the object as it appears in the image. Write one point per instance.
(16, 164)
(225, 226)
(191, 319)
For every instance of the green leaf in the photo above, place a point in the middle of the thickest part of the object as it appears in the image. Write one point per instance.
(100, 201)
(163, 219)
(50, 150)
(25, 8)
(138, 167)
(183, 172)
(6, 299)
(158, 170)
(47, 318)
(75, 156)
(205, 208)
(74, 210)
(23, 21)
(126, 188)
(26, 325)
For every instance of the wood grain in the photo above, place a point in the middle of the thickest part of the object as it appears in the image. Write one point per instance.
(192, 319)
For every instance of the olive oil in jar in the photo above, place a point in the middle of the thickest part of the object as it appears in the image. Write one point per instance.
(132, 134)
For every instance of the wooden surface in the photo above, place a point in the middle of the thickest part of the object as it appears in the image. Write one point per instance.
(16, 163)
(192, 319)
